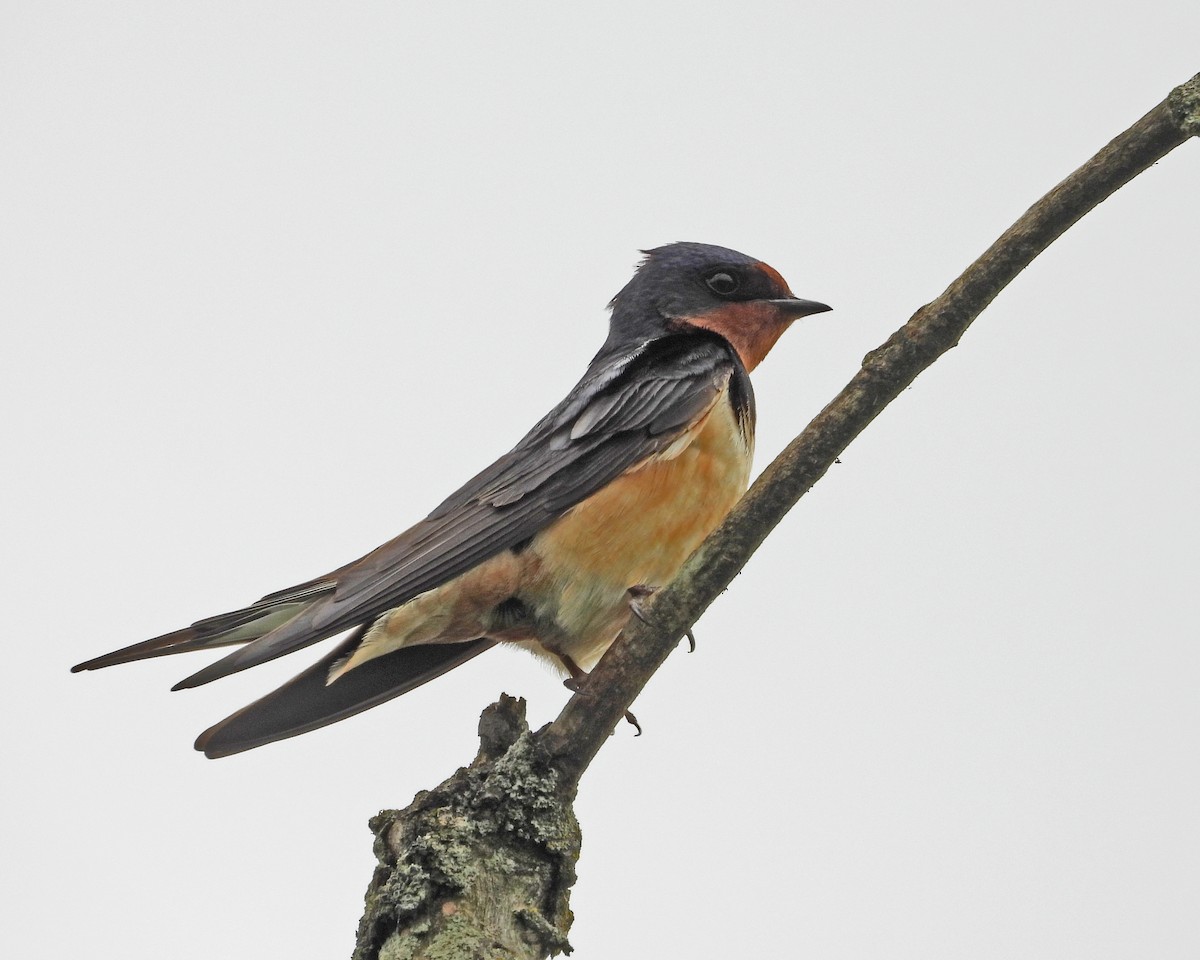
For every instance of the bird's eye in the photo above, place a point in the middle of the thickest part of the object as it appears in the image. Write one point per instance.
(721, 283)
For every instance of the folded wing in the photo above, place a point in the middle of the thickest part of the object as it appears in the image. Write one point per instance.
(626, 409)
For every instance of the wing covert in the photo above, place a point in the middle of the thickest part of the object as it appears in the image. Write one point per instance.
(605, 426)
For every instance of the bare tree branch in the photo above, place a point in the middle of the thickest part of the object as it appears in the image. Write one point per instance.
(493, 848)
(589, 717)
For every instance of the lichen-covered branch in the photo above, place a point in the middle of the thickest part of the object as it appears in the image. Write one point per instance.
(481, 867)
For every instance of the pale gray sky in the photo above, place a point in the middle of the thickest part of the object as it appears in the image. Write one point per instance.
(278, 277)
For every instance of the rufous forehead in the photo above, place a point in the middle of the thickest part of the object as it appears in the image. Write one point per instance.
(774, 276)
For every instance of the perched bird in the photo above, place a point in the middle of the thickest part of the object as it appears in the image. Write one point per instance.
(600, 502)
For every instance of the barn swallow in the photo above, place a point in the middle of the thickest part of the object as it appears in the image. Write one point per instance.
(602, 501)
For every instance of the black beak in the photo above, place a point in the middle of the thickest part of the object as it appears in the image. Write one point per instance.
(795, 308)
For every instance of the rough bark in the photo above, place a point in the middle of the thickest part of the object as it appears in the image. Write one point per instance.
(482, 865)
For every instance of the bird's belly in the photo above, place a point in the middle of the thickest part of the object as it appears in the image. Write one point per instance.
(638, 530)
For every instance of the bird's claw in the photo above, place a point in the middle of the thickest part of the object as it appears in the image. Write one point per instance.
(577, 684)
(639, 592)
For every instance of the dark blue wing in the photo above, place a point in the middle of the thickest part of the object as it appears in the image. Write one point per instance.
(627, 408)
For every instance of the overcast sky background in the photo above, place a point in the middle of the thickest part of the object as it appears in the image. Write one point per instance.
(277, 277)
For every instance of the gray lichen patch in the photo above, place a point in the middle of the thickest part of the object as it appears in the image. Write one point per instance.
(453, 862)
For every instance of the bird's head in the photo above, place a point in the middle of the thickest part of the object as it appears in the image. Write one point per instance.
(697, 285)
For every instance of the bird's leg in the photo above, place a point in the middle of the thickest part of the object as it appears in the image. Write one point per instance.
(575, 683)
(638, 593)
(578, 675)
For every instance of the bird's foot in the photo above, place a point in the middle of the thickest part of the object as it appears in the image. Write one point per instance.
(574, 685)
(578, 676)
(638, 593)
(577, 683)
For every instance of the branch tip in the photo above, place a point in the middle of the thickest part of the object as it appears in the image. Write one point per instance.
(1184, 102)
